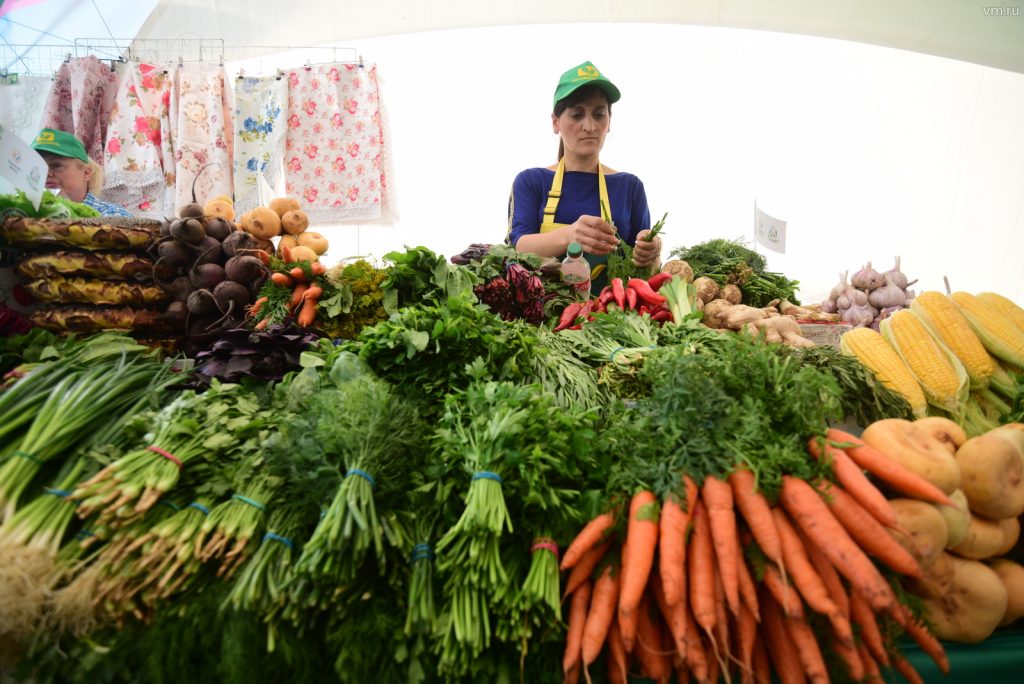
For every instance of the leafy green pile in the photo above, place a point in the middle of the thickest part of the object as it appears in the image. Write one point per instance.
(731, 261)
(51, 206)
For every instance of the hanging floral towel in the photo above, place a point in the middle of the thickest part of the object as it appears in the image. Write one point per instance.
(334, 157)
(201, 116)
(22, 104)
(138, 152)
(259, 138)
(80, 102)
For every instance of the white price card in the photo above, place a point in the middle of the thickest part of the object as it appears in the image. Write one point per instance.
(21, 166)
(769, 231)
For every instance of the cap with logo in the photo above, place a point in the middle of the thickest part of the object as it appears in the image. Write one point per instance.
(60, 143)
(582, 75)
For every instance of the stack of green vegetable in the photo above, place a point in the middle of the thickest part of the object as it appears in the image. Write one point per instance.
(731, 262)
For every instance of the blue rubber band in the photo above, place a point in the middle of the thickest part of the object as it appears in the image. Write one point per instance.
(421, 552)
(487, 475)
(63, 493)
(251, 502)
(28, 457)
(278, 538)
(611, 357)
(363, 474)
(170, 504)
(84, 534)
(199, 507)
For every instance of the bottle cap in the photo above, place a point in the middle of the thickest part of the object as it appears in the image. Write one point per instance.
(574, 249)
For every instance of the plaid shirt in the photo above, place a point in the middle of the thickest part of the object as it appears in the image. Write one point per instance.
(105, 208)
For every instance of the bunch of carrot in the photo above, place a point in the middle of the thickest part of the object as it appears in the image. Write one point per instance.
(723, 583)
(305, 294)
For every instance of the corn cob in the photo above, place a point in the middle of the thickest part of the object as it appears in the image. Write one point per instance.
(939, 373)
(1005, 307)
(880, 358)
(999, 335)
(944, 321)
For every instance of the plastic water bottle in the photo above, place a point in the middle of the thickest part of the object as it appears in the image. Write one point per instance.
(576, 270)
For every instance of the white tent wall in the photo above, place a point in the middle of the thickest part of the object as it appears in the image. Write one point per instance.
(867, 151)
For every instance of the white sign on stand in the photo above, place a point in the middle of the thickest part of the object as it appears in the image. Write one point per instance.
(22, 167)
(769, 231)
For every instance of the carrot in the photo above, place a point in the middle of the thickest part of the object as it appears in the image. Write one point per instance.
(695, 656)
(582, 570)
(672, 543)
(869, 533)
(897, 476)
(906, 669)
(828, 574)
(871, 669)
(308, 313)
(855, 482)
(746, 629)
(813, 516)
(674, 615)
(682, 671)
(313, 291)
(317, 268)
(255, 307)
(573, 675)
(720, 644)
(807, 649)
(262, 324)
(756, 512)
(787, 598)
(781, 647)
(701, 567)
(577, 619)
(651, 653)
(870, 634)
(925, 639)
(617, 664)
(805, 577)
(592, 533)
(638, 555)
(722, 518)
(847, 652)
(286, 253)
(300, 289)
(282, 279)
(297, 274)
(762, 664)
(601, 613)
(748, 590)
(263, 256)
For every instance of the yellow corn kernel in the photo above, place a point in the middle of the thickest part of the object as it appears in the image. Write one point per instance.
(999, 335)
(1005, 307)
(944, 320)
(940, 374)
(880, 358)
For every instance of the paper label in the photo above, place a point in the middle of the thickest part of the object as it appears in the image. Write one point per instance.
(769, 231)
(22, 167)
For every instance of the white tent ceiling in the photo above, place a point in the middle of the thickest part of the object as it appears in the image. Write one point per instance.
(966, 30)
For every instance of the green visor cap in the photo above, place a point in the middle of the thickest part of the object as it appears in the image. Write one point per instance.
(61, 143)
(579, 76)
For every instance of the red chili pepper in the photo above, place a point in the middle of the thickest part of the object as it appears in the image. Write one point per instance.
(644, 291)
(606, 295)
(599, 306)
(619, 293)
(658, 279)
(631, 298)
(661, 315)
(587, 307)
(569, 315)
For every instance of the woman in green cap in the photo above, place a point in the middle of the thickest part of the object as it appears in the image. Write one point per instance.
(579, 199)
(72, 172)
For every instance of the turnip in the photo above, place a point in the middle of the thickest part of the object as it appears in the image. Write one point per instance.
(206, 276)
(1012, 576)
(920, 529)
(972, 603)
(957, 516)
(988, 538)
(915, 448)
(992, 469)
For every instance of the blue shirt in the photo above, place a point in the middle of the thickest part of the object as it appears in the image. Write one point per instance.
(580, 196)
(105, 208)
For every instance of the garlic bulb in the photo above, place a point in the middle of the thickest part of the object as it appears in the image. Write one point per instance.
(888, 295)
(829, 306)
(838, 290)
(889, 311)
(844, 300)
(867, 278)
(860, 313)
(898, 277)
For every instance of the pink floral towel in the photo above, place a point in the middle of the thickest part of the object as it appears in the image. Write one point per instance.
(334, 147)
(80, 102)
(138, 147)
(203, 133)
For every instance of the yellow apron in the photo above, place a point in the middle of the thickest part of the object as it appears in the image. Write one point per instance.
(598, 263)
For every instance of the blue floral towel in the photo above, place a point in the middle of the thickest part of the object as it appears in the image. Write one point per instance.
(260, 104)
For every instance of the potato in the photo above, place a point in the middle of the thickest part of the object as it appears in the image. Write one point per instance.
(920, 529)
(988, 538)
(315, 241)
(220, 209)
(264, 223)
(992, 468)
(301, 253)
(294, 222)
(282, 205)
(1012, 576)
(958, 518)
(973, 605)
(914, 447)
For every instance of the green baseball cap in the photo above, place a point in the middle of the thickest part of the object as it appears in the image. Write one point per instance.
(579, 76)
(61, 143)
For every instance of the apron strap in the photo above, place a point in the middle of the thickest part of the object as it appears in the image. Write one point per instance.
(555, 194)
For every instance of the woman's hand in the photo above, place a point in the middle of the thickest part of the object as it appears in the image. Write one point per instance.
(646, 253)
(595, 235)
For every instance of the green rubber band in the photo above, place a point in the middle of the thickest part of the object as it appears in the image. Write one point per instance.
(251, 502)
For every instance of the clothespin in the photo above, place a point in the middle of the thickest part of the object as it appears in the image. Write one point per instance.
(308, 66)
(67, 58)
(241, 73)
(361, 62)
(280, 74)
(181, 62)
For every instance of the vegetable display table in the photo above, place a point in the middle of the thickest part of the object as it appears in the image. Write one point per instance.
(997, 660)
